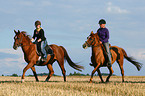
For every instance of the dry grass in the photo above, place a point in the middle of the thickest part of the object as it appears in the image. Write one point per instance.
(75, 86)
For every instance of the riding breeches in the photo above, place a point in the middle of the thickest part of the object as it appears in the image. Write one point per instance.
(106, 45)
(43, 44)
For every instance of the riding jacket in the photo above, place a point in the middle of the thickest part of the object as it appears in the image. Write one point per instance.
(39, 35)
(103, 34)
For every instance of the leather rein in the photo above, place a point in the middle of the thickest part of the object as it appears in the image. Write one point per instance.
(94, 43)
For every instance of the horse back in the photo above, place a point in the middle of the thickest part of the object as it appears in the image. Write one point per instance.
(117, 53)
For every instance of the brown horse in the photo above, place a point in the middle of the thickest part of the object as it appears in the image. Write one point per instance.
(31, 57)
(98, 58)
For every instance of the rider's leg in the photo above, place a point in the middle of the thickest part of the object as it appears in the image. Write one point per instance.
(43, 44)
(106, 45)
(39, 48)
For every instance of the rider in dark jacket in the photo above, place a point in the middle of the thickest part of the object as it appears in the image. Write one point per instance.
(103, 34)
(40, 40)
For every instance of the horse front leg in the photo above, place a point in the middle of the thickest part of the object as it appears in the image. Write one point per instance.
(51, 72)
(25, 69)
(34, 72)
(96, 68)
(100, 75)
(111, 72)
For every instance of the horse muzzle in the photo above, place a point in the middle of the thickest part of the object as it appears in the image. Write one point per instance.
(85, 45)
(15, 47)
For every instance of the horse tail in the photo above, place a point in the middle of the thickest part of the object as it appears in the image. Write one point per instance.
(70, 62)
(132, 60)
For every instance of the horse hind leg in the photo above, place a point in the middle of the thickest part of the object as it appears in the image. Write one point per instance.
(61, 64)
(120, 63)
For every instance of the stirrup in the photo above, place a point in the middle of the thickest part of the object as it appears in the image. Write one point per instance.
(91, 64)
(43, 59)
(109, 65)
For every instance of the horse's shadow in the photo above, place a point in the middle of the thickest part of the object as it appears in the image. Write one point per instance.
(95, 82)
(117, 82)
(134, 82)
(10, 81)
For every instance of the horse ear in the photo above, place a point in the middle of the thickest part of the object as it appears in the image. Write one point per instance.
(92, 32)
(15, 31)
(18, 31)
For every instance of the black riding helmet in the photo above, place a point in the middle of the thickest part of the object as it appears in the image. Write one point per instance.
(102, 21)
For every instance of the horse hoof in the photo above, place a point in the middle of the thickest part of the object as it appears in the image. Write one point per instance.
(22, 80)
(90, 81)
(107, 81)
(46, 80)
(102, 81)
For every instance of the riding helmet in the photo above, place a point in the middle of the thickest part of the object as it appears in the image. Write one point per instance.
(37, 23)
(102, 21)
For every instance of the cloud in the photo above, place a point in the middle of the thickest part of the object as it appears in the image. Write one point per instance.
(115, 9)
(26, 3)
(46, 3)
(8, 55)
(11, 61)
(137, 53)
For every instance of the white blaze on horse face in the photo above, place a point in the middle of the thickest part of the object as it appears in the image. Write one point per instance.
(15, 37)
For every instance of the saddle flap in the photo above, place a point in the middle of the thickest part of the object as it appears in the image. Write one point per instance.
(48, 49)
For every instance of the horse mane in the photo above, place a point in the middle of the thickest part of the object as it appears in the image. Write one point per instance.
(25, 34)
(97, 36)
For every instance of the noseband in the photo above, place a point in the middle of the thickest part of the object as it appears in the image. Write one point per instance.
(94, 43)
(20, 42)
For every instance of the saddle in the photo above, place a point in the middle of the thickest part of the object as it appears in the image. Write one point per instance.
(47, 48)
(49, 51)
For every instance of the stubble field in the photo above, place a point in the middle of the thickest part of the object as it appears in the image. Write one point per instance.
(75, 86)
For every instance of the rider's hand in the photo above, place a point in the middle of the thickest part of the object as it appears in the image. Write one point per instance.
(39, 40)
(32, 40)
(100, 42)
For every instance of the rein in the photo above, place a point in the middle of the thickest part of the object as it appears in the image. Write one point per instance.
(94, 43)
(22, 44)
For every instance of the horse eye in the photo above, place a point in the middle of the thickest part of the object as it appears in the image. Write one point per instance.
(16, 37)
(88, 37)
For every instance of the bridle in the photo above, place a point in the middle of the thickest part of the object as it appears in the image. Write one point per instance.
(20, 42)
(93, 41)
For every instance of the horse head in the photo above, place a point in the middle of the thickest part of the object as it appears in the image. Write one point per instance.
(92, 40)
(17, 39)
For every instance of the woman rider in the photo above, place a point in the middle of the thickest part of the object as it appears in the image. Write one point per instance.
(40, 40)
(103, 34)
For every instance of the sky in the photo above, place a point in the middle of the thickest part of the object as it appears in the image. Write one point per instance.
(68, 23)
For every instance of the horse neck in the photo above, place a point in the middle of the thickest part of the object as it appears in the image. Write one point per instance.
(27, 46)
(96, 50)
(97, 47)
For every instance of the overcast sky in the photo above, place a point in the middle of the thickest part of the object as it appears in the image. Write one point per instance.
(68, 23)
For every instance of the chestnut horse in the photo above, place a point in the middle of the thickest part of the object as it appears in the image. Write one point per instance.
(98, 58)
(31, 57)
